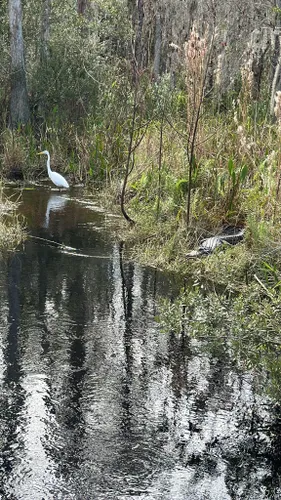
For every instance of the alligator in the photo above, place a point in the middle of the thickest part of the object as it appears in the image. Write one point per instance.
(208, 245)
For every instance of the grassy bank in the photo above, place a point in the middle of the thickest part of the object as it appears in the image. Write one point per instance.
(11, 226)
(175, 199)
(236, 182)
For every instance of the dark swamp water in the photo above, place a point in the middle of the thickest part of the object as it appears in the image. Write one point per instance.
(97, 402)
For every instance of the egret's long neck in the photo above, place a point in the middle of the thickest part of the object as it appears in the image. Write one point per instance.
(48, 164)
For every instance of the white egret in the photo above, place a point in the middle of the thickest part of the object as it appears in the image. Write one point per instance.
(56, 178)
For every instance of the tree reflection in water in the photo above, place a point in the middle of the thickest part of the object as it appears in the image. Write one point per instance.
(96, 401)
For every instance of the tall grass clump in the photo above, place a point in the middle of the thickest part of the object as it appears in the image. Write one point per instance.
(11, 225)
(18, 158)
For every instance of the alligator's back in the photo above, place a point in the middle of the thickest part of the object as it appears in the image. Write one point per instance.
(210, 244)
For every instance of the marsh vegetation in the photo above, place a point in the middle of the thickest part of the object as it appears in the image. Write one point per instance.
(170, 112)
(11, 224)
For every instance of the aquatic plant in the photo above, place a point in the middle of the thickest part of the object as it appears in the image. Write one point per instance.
(245, 325)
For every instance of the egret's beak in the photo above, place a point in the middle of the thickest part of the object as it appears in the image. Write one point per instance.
(40, 153)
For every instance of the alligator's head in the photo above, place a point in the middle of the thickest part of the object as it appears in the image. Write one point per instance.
(194, 254)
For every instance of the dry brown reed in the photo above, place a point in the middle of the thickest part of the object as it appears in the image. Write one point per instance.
(195, 51)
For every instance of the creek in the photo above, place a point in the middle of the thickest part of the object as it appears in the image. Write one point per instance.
(96, 401)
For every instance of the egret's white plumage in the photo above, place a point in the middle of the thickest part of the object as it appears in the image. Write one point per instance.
(56, 178)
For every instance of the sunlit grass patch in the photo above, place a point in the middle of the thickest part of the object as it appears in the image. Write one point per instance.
(11, 225)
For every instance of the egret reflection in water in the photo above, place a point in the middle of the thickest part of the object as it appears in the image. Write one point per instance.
(55, 203)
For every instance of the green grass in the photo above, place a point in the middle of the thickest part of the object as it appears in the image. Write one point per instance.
(235, 183)
(11, 225)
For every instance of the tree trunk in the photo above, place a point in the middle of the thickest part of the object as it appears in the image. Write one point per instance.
(81, 6)
(45, 31)
(276, 60)
(138, 34)
(276, 84)
(258, 46)
(19, 108)
(157, 45)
